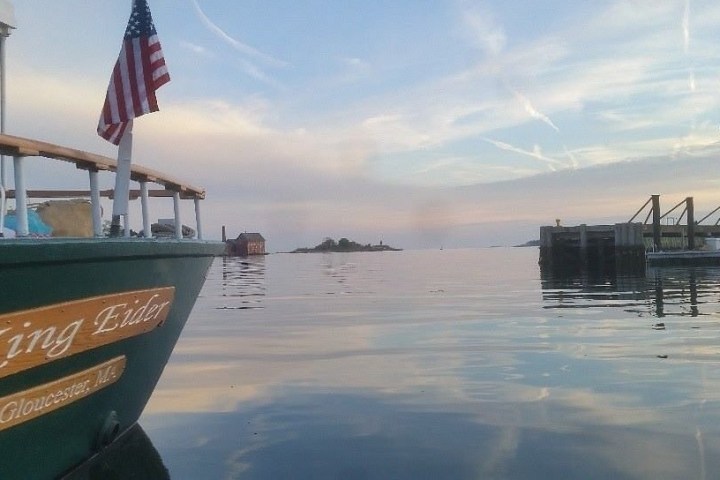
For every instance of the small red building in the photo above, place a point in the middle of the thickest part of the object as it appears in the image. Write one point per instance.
(247, 244)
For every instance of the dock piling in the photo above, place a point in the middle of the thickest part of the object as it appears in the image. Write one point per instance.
(690, 206)
(657, 241)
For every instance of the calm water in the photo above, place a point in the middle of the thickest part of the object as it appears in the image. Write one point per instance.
(458, 364)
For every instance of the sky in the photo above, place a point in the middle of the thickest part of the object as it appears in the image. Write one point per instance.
(422, 124)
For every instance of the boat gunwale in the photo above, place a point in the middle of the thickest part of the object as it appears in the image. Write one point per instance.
(53, 250)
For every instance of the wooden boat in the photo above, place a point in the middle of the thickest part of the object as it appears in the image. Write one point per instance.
(86, 324)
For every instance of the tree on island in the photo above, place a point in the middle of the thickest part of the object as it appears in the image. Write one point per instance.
(344, 245)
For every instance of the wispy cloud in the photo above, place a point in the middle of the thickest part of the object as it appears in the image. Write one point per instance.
(686, 26)
(236, 44)
(633, 86)
(535, 153)
(571, 156)
(353, 69)
(486, 33)
(624, 121)
(686, 44)
(466, 170)
(355, 63)
(396, 132)
(532, 111)
(197, 49)
(247, 66)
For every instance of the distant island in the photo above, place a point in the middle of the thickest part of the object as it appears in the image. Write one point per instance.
(531, 243)
(345, 245)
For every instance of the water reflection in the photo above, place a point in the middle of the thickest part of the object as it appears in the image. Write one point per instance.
(681, 287)
(243, 283)
(131, 456)
(451, 364)
(305, 434)
(656, 291)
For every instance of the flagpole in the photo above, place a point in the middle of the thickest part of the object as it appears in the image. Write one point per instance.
(139, 70)
(7, 22)
(122, 183)
(121, 194)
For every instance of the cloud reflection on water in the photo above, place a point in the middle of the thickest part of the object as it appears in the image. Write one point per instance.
(301, 434)
(445, 379)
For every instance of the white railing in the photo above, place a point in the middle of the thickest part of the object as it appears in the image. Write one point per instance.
(19, 148)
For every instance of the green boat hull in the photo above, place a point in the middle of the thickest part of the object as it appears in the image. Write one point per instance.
(44, 272)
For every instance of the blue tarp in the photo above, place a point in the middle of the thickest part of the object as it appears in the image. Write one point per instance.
(35, 224)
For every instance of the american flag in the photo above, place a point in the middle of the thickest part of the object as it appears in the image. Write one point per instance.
(139, 71)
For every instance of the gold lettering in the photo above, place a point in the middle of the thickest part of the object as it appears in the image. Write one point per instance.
(65, 338)
(25, 410)
(28, 404)
(104, 376)
(15, 349)
(160, 306)
(19, 408)
(126, 316)
(110, 315)
(8, 412)
(5, 362)
(34, 336)
(138, 315)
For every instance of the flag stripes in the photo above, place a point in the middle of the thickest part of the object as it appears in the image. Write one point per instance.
(139, 71)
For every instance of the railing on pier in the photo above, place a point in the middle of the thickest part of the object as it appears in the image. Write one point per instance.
(20, 148)
(658, 217)
(675, 235)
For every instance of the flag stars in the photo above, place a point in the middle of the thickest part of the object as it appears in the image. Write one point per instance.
(140, 22)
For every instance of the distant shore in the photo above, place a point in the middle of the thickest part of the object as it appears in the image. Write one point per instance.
(345, 245)
(531, 243)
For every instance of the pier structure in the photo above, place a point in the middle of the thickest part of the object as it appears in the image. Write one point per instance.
(627, 243)
(592, 244)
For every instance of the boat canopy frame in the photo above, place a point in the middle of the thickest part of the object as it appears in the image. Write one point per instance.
(19, 148)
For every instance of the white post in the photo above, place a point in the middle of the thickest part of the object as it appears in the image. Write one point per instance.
(122, 182)
(7, 21)
(198, 223)
(3, 36)
(20, 199)
(178, 223)
(147, 231)
(2, 211)
(95, 203)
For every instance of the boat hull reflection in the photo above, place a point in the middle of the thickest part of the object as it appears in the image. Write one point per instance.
(131, 456)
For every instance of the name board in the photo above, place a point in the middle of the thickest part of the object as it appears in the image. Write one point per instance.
(28, 404)
(33, 337)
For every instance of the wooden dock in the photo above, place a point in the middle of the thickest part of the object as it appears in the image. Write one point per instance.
(634, 242)
(593, 244)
